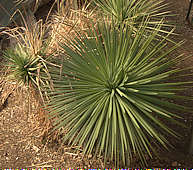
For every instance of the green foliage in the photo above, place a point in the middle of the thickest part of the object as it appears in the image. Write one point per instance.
(133, 12)
(112, 92)
(24, 66)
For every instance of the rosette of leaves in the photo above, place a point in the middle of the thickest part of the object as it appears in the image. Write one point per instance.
(23, 67)
(111, 95)
(133, 12)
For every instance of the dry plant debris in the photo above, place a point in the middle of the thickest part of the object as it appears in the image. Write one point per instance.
(64, 27)
(25, 141)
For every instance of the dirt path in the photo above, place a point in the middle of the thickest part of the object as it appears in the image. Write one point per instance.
(22, 142)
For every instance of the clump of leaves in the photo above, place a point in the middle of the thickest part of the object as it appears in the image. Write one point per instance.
(133, 12)
(112, 92)
(23, 66)
(27, 69)
(28, 53)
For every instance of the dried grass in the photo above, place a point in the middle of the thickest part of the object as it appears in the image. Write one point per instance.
(64, 27)
(34, 35)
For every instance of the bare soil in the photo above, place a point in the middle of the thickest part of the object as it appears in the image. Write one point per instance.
(26, 141)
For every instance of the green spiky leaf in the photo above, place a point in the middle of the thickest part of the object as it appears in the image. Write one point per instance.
(112, 92)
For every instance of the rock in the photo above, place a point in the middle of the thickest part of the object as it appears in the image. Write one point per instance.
(175, 163)
(7, 11)
(8, 8)
(40, 4)
(9, 17)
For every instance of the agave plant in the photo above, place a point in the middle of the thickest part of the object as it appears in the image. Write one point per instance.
(29, 48)
(133, 12)
(111, 94)
(28, 70)
(23, 66)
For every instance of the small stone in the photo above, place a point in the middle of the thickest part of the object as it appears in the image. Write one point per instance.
(175, 163)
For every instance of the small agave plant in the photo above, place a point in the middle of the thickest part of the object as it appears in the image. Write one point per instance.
(28, 70)
(23, 66)
(27, 56)
(111, 95)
